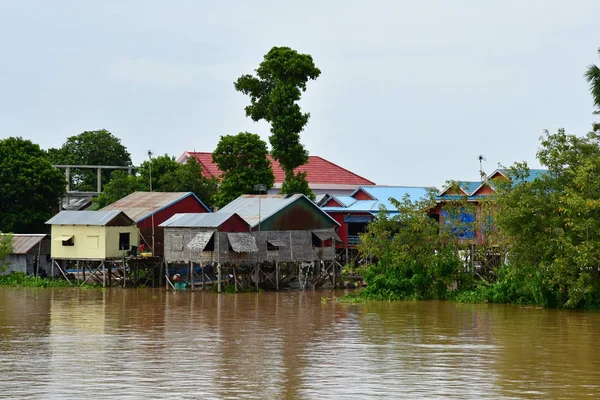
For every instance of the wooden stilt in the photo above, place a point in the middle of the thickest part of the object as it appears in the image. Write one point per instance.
(277, 275)
(110, 267)
(257, 276)
(235, 283)
(192, 275)
(219, 277)
(334, 274)
(203, 276)
(103, 274)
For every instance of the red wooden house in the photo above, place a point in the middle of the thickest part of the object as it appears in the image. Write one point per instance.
(150, 209)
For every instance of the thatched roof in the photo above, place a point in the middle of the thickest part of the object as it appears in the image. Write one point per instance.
(200, 241)
(277, 243)
(242, 242)
(326, 235)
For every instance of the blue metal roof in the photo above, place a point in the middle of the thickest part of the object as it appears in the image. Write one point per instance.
(382, 194)
(533, 175)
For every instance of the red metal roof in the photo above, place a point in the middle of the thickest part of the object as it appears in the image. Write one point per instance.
(319, 170)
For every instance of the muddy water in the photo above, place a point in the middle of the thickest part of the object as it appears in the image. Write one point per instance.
(146, 343)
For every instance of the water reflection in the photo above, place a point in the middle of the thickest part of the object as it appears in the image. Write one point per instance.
(148, 343)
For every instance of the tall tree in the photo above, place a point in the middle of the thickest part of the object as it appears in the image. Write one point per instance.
(243, 160)
(593, 77)
(91, 148)
(157, 167)
(188, 178)
(553, 221)
(274, 95)
(29, 186)
(121, 184)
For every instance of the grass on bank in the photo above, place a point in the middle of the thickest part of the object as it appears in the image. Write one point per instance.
(20, 279)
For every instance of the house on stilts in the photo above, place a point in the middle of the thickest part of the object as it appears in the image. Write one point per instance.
(92, 245)
(256, 241)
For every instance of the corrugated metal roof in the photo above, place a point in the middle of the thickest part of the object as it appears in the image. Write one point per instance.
(100, 218)
(23, 243)
(242, 242)
(141, 205)
(200, 241)
(246, 206)
(197, 220)
(382, 194)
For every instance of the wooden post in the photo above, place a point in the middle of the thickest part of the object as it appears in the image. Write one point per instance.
(257, 275)
(203, 276)
(300, 275)
(334, 268)
(103, 274)
(347, 261)
(192, 284)
(110, 267)
(219, 277)
(277, 275)
(234, 279)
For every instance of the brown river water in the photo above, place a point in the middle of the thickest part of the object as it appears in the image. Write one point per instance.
(152, 344)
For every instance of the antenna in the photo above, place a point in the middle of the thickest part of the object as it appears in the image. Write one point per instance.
(481, 173)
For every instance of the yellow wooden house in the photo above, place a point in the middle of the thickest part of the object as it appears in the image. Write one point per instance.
(92, 235)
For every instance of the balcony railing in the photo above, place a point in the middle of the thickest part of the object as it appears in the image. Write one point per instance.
(353, 239)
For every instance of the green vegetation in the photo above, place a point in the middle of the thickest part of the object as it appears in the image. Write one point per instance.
(90, 148)
(167, 176)
(29, 186)
(19, 279)
(274, 95)
(243, 160)
(546, 234)
(6, 249)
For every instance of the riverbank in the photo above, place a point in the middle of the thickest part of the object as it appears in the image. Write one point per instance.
(19, 279)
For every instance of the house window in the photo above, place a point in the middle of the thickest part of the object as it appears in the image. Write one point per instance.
(68, 242)
(177, 243)
(316, 241)
(124, 240)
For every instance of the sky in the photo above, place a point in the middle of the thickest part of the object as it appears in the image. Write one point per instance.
(411, 92)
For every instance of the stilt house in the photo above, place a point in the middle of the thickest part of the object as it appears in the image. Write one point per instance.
(150, 209)
(287, 228)
(208, 238)
(30, 254)
(92, 235)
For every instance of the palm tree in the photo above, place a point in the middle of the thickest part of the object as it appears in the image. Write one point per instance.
(593, 77)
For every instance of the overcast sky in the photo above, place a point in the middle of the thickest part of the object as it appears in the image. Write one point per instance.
(411, 92)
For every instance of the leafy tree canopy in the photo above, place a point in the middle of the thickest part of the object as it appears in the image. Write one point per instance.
(188, 178)
(29, 186)
(593, 77)
(158, 167)
(274, 94)
(121, 184)
(553, 222)
(6, 249)
(243, 160)
(90, 148)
